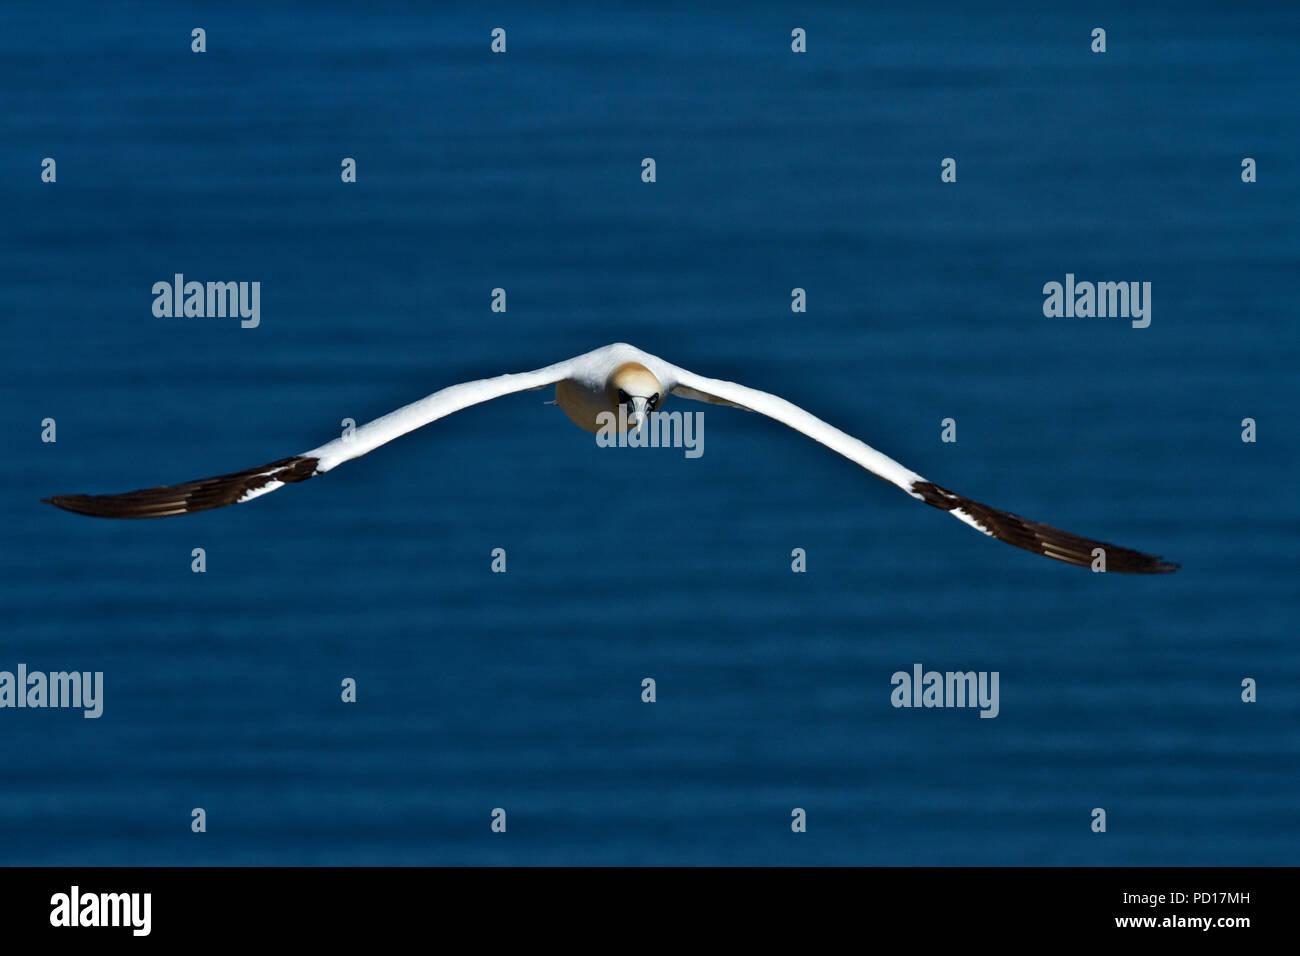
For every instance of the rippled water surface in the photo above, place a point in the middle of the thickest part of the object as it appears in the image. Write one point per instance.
(522, 690)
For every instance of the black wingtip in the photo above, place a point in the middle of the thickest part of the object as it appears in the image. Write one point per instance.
(78, 505)
(1040, 538)
(166, 501)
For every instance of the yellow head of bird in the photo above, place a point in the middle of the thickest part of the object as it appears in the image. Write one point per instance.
(634, 386)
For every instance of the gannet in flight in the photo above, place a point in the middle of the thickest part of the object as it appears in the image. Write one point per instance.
(605, 380)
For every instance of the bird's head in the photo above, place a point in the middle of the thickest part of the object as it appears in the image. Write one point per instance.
(634, 386)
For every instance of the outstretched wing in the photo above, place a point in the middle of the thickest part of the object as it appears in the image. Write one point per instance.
(1031, 535)
(241, 486)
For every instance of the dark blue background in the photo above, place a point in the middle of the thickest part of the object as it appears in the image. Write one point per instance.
(521, 691)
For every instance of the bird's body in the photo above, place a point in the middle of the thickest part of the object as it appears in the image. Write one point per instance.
(583, 405)
(587, 387)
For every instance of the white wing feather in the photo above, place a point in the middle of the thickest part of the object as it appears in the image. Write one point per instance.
(429, 409)
(765, 403)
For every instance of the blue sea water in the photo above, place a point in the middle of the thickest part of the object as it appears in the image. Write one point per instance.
(522, 690)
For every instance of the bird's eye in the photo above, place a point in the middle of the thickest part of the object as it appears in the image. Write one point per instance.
(622, 397)
(654, 400)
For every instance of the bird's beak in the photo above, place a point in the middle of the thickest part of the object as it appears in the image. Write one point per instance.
(636, 417)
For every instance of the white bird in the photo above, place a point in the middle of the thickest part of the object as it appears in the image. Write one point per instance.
(604, 381)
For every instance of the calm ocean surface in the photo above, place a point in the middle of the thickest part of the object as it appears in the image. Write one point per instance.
(522, 691)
